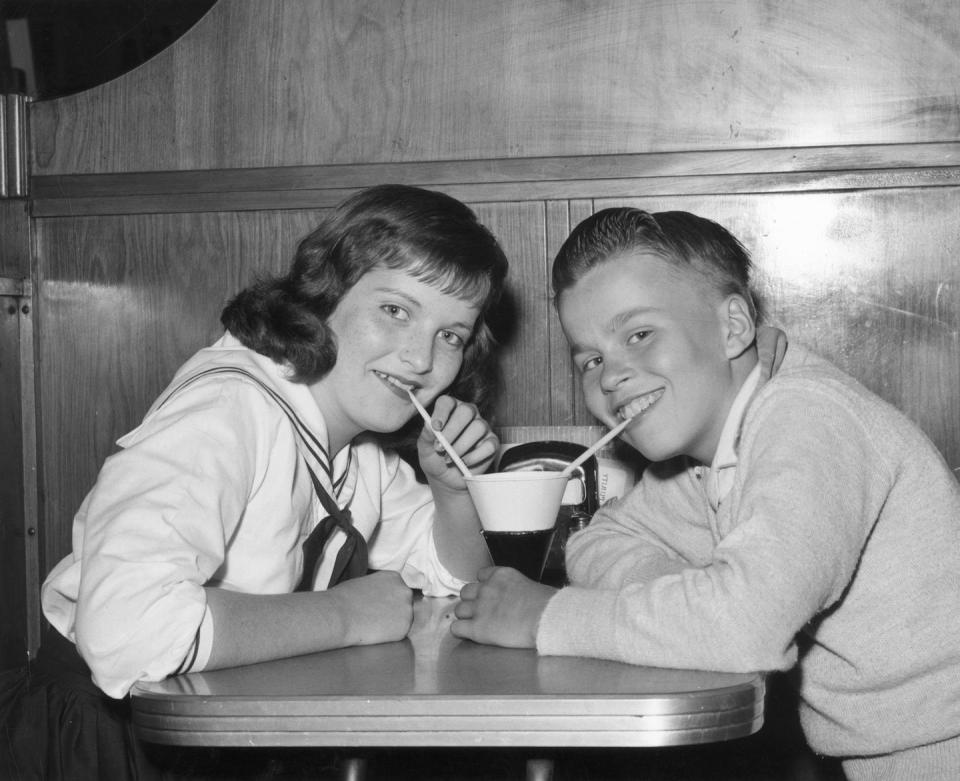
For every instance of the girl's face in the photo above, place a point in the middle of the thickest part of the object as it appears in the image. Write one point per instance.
(390, 326)
(650, 340)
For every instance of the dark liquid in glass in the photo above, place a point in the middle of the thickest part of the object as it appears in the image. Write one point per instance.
(525, 551)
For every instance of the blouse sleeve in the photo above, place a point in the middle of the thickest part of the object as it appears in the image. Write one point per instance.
(403, 540)
(155, 528)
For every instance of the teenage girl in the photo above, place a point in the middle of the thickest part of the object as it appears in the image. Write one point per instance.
(238, 523)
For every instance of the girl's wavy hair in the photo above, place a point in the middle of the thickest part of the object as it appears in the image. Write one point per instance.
(680, 238)
(432, 236)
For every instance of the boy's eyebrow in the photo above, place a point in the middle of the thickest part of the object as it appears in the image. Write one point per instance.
(616, 322)
(619, 319)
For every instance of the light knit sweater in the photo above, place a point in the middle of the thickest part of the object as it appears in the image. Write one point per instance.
(838, 546)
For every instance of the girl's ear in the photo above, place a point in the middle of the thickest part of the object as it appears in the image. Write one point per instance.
(740, 330)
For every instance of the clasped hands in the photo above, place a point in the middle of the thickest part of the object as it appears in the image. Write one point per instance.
(502, 607)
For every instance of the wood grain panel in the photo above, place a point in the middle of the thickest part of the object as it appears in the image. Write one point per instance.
(13, 552)
(526, 359)
(14, 239)
(299, 82)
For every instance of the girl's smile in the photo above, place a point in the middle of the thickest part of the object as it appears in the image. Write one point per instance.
(392, 331)
(396, 385)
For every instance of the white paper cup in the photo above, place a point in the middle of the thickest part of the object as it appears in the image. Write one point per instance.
(517, 501)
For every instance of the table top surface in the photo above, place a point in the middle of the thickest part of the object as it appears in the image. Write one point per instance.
(433, 689)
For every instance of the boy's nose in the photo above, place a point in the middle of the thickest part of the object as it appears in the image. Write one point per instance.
(614, 373)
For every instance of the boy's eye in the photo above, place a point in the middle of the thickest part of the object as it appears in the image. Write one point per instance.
(638, 336)
(395, 311)
(590, 363)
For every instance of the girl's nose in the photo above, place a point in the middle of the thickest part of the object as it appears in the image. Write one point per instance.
(418, 355)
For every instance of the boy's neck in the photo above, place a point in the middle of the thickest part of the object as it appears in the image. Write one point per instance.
(742, 365)
(740, 368)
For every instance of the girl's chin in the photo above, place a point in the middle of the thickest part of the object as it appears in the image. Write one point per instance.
(386, 426)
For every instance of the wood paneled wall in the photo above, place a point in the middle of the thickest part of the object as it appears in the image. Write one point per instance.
(295, 82)
(826, 135)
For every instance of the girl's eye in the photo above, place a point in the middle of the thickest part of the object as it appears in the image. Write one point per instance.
(395, 311)
(638, 336)
(453, 339)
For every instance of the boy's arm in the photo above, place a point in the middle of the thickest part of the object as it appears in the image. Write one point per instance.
(657, 529)
(802, 521)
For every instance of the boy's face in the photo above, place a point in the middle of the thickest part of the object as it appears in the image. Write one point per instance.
(653, 340)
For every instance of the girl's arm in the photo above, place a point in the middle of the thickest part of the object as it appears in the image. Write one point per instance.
(456, 532)
(250, 628)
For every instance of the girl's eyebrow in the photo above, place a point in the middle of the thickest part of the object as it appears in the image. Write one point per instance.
(415, 303)
(399, 294)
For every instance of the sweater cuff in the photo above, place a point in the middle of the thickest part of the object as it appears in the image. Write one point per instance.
(578, 622)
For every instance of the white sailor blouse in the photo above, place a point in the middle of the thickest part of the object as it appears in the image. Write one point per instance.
(212, 489)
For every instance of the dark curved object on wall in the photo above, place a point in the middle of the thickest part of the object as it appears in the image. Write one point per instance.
(52, 48)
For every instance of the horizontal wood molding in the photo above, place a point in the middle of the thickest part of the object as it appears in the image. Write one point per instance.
(509, 179)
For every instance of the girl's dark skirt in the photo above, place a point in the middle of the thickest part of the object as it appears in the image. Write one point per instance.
(57, 725)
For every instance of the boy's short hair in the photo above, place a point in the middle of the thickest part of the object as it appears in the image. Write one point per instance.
(678, 237)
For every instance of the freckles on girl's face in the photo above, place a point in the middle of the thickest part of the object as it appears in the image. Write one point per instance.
(392, 331)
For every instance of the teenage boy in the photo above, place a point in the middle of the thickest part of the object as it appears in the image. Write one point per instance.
(789, 516)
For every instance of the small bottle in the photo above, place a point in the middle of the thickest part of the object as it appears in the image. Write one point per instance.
(579, 520)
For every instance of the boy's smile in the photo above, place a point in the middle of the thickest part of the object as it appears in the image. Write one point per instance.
(653, 341)
(392, 332)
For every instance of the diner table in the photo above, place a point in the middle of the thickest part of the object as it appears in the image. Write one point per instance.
(432, 689)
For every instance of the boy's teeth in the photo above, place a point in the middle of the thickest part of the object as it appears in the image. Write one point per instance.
(638, 405)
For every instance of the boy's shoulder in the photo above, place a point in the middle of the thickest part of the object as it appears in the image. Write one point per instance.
(812, 390)
(804, 370)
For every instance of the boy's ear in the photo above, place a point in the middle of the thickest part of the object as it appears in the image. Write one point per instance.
(740, 331)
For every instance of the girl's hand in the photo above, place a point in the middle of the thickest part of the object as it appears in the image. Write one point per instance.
(377, 608)
(468, 433)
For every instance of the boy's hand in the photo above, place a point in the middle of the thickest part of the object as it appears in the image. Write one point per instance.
(377, 608)
(502, 608)
(468, 433)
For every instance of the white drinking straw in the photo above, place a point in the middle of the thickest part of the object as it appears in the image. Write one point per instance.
(443, 440)
(568, 469)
